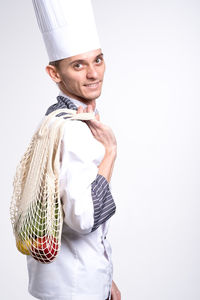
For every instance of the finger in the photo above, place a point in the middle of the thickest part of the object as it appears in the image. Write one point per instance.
(89, 108)
(92, 128)
(113, 296)
(115, 292)
(118, 295)
(95, 123)
(79, 110)
(97, 116)
(92, 123)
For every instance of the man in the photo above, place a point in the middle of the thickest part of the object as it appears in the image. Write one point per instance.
(83, 268)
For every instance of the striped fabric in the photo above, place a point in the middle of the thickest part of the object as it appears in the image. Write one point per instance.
(62, 103)
(104, 205)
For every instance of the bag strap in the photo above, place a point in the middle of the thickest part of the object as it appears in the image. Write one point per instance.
(55, 131)
(66, 114)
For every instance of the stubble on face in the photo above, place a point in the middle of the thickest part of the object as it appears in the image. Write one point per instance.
(82, 76)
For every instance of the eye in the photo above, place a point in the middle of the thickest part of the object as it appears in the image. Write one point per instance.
(78, 66)
(99, 60)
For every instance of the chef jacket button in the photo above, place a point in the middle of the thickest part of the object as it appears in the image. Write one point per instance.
(104, 237)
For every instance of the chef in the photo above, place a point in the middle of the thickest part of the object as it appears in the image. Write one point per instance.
(83, 269)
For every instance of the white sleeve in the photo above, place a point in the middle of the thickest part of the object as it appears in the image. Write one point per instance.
(77, 172)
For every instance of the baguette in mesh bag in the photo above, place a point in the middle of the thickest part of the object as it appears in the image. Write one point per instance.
(36, 209)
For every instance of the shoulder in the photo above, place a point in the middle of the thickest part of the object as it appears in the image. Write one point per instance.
(78, 139)
(77, 136)
(77, 129)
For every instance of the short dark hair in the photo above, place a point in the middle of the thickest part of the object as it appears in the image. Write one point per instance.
(55, 63)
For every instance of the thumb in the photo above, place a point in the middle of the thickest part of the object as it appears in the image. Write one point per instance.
(97, 116)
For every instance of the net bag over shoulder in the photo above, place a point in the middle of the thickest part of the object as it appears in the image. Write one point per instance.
(36, 209)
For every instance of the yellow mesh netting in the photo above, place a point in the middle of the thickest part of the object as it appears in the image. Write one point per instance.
(36, 210)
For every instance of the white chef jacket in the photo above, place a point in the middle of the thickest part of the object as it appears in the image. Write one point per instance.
(83, 269)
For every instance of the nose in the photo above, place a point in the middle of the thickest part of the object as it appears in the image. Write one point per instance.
(91, 72)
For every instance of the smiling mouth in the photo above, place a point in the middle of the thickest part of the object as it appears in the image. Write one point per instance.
(93, 85)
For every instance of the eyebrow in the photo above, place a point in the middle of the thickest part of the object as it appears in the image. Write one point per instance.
(83, 60)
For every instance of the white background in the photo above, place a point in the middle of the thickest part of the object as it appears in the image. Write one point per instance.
(151, 100)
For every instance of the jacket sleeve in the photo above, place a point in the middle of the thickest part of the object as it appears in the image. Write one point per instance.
(86, 197)
(104, 205)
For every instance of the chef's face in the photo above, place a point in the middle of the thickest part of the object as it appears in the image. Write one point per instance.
(81, 76)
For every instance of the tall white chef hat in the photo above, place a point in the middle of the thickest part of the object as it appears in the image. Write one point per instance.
(68, 27)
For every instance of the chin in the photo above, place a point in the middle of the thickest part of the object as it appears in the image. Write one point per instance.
(92, 96)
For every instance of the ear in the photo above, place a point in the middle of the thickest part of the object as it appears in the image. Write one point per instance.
(53, 73)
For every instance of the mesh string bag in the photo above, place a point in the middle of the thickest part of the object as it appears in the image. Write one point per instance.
(36, 209)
